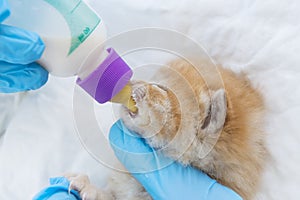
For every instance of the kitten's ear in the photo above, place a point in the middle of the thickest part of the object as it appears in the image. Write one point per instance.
(215, 118)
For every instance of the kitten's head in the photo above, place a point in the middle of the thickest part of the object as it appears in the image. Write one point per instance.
(159, 113)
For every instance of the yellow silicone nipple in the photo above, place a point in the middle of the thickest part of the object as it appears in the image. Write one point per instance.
(124, 97)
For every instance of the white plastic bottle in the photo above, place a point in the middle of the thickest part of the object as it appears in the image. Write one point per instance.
(74, 37)
(70, 30)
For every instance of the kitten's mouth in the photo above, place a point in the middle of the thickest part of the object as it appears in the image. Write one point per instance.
(137, 96)
(133, 114)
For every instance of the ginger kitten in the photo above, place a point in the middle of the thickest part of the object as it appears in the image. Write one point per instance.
(201, 120)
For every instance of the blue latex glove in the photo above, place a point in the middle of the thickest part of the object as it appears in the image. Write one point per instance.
(58, 190)
(19, 49)
(172, 180)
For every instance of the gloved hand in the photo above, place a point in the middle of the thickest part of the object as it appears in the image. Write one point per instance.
(58, 190)
(172, 180)
(18, 51)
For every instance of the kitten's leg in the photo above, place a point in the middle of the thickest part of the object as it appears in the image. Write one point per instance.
(121, 186)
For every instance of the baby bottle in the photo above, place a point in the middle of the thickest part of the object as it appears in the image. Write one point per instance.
(73, 34)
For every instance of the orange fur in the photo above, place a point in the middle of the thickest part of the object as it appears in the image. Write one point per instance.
(237, 158)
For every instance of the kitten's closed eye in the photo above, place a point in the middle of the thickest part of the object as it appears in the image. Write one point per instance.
(161, 87)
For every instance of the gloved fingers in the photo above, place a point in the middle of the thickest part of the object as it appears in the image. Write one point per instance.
(4, 10)
(17, 77)
(133, 151)
(176, 182)
(58, 189)
(19, 46)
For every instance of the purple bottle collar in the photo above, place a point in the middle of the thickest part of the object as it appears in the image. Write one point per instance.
(108, 79)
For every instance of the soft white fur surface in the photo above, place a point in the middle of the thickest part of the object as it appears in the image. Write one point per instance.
(260, 37)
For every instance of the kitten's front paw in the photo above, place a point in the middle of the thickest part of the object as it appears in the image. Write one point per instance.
(81, 183)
